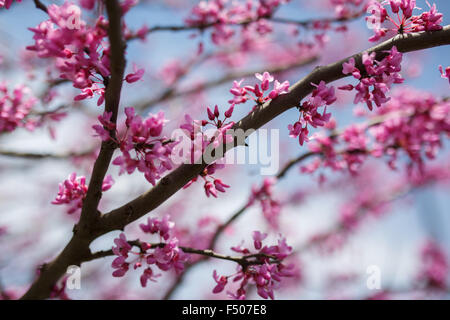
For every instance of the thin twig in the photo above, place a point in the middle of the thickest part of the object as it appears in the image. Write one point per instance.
(39, 5)
(244, 261)
(203, 27)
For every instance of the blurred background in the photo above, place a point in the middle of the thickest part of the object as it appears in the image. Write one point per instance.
(33, 230)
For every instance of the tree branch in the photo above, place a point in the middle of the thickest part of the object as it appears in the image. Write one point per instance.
(120, 217)
(38, 156)
(89, 213)
(78, 251)
(39, 5)
(244, 261)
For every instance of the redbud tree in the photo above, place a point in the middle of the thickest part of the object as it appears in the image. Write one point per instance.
(224, 149)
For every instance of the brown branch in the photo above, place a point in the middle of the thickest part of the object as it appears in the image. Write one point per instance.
(39, 5)
(89, 213)
(281, 174)
(120, 217)
(78, 251)
(244, 261)
(37, 156)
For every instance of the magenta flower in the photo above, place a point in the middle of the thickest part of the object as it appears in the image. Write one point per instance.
(15, 108)
(143, 148)
(265, 275)
(155, 225)
(258, 237)
(73, 191)
(349, 68)
(7, 3)
(78, 49)
(135, 76)
(103, 131)
(278, 89)
(380, 76)
(242, 94)
(265, 79)
(446, 74)
(403, 20)
(221, 282)
(309, 114)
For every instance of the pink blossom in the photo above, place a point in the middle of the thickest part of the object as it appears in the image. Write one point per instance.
(258, 237)
(199, 141)
(73, 191)
(403, 21)
(242, 94)
(7, 3)
(446, 74)
(309, 114)
(222, 14)
(266, 274)
(78, 49)
(143, 148)
(155, 225)
(349, 68)
(165, 255)
(221, 282)
(15, 108)
(380, 76)
(279, 88)
(88, 4)
(104, 130)
(270, 206)
(147, 275)
(135, 76)
(265, 79)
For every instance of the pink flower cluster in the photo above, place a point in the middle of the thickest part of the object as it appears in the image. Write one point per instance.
(264, 272)
(417, 129)
(211, 184)
(7, 3)
(165, 255)
(79, 51)
(143, 147)
(413, 122)
(271, 207)
(15, 107)
(380, 76)
(406, 22)
(73, 191)
(322, 96)
(222, 14)
(256, 92)
(355, 141)
(435, 267)
(199, 140)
